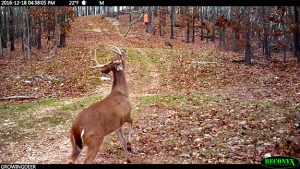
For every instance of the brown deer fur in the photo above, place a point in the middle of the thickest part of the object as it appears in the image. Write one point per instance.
(101, 118)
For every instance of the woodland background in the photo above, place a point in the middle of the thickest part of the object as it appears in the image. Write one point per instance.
(208, 84)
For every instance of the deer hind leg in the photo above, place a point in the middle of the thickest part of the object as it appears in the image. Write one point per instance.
(75, 151)
(74, 155)
(122, 140)
(129, 136)
(93, 145)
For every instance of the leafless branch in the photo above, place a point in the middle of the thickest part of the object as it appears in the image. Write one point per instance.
(133, 22)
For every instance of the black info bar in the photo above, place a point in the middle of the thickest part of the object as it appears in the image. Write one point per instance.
(148, 2)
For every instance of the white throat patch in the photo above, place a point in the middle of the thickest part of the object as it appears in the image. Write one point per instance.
(119, 67)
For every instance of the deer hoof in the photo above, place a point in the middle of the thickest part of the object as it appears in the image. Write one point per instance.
(70, 161)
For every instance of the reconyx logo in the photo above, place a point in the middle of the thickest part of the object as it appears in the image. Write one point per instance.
(280, 162)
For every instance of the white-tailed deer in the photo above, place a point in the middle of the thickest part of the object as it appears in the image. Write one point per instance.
(108, 115)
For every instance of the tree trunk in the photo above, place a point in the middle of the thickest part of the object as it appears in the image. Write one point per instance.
(8, 30)
(223, 37)
(1, 38)
(62, 36)
(187, 25)
(201, 21)
(11, 29)
(297, 35)
(55, 30)
(118, 11)
(62, 40)
(266, 50)
(155, 11)
(248, 43)
(213, 25)
(4, 28)
(39, 35)
(172, 21)
(187, 32)
(28, 35)
(104, 10)
(235, 43)
(193, 17)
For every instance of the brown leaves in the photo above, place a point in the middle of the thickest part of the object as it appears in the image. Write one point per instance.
(216, 112)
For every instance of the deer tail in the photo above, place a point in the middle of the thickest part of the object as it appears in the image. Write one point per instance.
(76, 138)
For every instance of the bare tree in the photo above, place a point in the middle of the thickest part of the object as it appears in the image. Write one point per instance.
(297, 34)
(248, 40)
(186, 12)
(11, 29)
(172, 19)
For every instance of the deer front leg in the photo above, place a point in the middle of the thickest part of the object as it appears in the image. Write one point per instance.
(122, 140)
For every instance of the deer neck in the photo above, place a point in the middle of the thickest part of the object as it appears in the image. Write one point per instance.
(120, 84)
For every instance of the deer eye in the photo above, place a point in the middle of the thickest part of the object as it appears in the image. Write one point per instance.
(117, 61)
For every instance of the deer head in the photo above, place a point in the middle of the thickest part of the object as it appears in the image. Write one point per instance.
(117, 62)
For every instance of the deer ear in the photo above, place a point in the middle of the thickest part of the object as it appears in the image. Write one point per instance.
(124, 54)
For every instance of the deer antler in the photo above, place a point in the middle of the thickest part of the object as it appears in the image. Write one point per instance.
(118, 51)
(97, 63)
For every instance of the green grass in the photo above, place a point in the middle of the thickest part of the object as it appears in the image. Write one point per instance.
(207, 53)
(25, 106)
(167, 99)
(16, 118)
(24, 119)
(80, 104)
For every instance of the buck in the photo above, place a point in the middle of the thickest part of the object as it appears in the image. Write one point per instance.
(103, 117)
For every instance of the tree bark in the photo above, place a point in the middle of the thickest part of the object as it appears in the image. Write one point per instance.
(266, 51)
(11, 29)
(193, 18)
(1, 38)
(172, 21)
(62, 40)
(39, 35)
(4, 28)
(297, 35)
(248, 43)
(213, 25)
(187, 24)
(62, 36)
(155, 11)
(202, 33)
(55, 30)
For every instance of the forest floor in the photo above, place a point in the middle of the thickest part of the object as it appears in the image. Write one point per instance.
(191, 104)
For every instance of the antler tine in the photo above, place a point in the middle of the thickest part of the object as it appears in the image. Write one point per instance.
(113, 49)
(97, 63)
(118, 49)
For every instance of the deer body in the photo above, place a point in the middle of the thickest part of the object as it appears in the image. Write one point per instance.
(101, 118)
